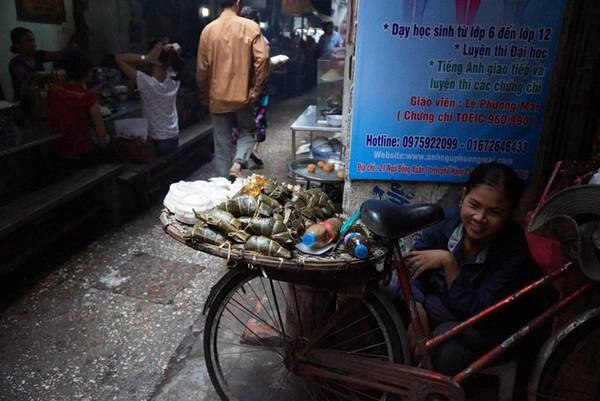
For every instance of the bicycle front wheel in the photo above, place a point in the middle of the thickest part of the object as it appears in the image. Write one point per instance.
(254, 324)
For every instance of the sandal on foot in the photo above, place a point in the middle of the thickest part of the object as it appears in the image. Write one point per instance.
(233, 174)
(256, 159)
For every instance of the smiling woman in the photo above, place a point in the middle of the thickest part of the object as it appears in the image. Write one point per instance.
(469, 261)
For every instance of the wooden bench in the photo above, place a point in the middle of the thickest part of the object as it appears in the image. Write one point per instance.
(140, 184)
(33, 222)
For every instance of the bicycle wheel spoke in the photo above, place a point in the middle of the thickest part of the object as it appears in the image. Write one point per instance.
(256, 314)
(323, 393)
(277, 307)
(274, 342)
(346, 341)
(243, 352)
(297, 309)
(369, 347)
(262, 304)
(282, 375)
(256, 335)
(267, 341)
(282, 293)
(244, 299)
(316, 389)
(245, 325)
(347, 326)
(285, 376)
(331, 391)
(262, 282)
(257, 317)
(233, 332)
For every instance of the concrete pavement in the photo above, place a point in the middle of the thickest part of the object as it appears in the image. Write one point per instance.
(120, 319)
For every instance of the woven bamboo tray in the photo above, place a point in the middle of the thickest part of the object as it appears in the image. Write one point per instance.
(337, 261)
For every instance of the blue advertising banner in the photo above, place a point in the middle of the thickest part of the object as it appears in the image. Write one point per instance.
(443, 85)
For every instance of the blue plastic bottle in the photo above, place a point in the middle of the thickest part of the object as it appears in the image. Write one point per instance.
(357, 245)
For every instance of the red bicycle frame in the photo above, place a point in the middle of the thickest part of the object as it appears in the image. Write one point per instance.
(429, 344)
(415, 383)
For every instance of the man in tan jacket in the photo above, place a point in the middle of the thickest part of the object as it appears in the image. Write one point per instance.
(233, 67)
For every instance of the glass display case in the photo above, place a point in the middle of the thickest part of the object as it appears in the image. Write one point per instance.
(330, 88)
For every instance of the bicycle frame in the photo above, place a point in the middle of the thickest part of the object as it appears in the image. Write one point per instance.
(410, 381)
(429, 344)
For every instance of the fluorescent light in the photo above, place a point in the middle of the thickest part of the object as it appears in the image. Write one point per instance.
(204, 12)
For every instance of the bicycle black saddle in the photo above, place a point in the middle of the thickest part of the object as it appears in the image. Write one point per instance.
(389, 220)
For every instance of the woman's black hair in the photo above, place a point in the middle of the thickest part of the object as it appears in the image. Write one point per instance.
(173, 60)
(251, 13)
(15, 37)
(164, 40)
(77, 66)
(499, 176)
(169, 59)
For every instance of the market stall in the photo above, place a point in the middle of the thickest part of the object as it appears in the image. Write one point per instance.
(308, 122)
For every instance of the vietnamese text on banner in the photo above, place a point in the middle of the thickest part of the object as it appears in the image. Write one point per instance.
(442, 86)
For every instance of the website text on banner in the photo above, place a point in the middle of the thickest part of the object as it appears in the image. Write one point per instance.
(444, 85)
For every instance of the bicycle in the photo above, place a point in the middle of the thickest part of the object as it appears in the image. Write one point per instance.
(284, 334)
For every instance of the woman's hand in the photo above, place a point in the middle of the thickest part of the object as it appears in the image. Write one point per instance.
(253, 96)
(175, 46)
(420, 261)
